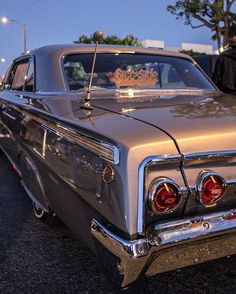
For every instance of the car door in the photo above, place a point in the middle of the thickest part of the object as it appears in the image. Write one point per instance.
(32, 139)
(10, 116)
(25, 136)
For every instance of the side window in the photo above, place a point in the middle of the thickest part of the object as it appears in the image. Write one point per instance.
(7, 79)
(4, 79)
(19, 75)
(29, 79)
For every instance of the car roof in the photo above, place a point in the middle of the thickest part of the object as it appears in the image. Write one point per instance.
(64, 48)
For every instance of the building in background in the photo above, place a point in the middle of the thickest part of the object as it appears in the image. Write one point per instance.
(201, 48)
(153, 44)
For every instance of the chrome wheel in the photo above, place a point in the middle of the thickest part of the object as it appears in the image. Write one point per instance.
(39, 212)
(45, 216)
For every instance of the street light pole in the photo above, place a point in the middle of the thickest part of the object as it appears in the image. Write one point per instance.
(24, 29)
(6, 20)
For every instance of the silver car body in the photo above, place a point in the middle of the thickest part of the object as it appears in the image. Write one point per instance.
(62, 151)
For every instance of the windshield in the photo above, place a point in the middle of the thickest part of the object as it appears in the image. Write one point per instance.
(140, 71)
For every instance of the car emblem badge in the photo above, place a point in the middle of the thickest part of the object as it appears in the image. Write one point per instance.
(108, 174)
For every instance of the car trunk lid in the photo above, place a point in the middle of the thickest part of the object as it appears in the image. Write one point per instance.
(200, 125)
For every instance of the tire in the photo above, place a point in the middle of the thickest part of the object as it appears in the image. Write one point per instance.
(44, 216)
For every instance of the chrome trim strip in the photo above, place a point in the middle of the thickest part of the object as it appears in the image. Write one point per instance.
(9, 115)
(42, 151)
(44, 143)
(209, 155)
(141, 193)
(105, 150)
(141, 184)
(32, 197)
(38, 153)
(231, 182)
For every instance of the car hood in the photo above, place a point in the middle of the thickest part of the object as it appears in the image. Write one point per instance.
(205, 122)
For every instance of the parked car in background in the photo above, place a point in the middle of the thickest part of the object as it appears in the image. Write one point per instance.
(207, 63)
(139, 160)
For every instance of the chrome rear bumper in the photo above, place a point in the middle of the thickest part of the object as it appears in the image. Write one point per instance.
(171, 245)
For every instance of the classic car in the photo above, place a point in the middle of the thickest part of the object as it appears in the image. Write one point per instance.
(134, 149)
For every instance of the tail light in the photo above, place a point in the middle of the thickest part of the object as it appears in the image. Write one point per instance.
(164, 195)
(211, 187)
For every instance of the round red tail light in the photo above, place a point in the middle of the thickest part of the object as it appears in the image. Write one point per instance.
(164, 195)
(211, 188)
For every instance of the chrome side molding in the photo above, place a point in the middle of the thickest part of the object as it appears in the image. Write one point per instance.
(103, 149)
(209, 155)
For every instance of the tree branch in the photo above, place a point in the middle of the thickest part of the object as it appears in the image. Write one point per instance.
(196, 27)
(204, 21)
(216, 15)
(229, 5)
(207, 12)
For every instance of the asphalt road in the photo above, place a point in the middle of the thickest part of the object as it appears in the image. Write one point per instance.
(37, 258)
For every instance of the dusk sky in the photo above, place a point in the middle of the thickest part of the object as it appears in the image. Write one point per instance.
(62, 21)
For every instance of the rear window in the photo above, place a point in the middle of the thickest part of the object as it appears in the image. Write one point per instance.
(113, 70)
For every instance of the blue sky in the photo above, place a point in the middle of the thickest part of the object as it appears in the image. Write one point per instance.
(62, 21)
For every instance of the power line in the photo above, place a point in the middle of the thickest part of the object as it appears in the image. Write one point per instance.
(27, 9)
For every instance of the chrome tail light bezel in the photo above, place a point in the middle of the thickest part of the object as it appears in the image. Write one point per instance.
(203, 175)
(155, 184)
